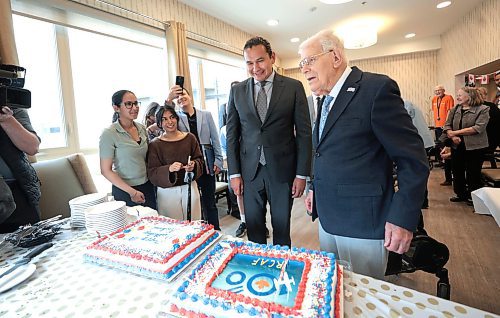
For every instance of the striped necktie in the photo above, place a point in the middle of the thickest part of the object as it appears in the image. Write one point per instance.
(324, 114)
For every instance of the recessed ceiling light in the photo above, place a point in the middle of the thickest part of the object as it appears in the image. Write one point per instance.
(294, 40)
(443, 4)
(410, 35)
(272, 22)
(334, 1)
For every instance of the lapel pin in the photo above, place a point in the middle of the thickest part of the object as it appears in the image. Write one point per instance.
(351, 89)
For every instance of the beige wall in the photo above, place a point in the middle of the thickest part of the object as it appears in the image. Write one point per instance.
(197, 22)
(471, 42)
(415, 74)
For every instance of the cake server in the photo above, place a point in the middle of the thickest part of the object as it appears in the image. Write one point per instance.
(27, 258)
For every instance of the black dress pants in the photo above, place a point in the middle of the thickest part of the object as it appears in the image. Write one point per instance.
(257, 193)
(466, 170)
(206, 183)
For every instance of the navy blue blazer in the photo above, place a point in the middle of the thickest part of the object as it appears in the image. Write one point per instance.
(367, 130)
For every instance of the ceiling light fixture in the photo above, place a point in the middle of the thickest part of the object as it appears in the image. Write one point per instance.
(294, 40)
(443, 4)
(410, 35)
(335, 1)
(272, 22)
(358, 35)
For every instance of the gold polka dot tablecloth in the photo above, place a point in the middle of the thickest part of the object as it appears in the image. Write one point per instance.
(368, 297)
(63, 285)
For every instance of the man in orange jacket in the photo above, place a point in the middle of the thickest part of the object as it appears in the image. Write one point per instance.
(441, 105)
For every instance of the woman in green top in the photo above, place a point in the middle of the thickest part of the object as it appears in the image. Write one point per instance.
(122, 149)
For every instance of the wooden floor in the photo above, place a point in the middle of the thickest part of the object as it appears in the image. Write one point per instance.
(473, 241)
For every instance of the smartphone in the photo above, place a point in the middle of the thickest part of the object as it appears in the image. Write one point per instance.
(179, 80)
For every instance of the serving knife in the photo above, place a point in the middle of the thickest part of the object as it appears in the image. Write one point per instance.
(27, 258)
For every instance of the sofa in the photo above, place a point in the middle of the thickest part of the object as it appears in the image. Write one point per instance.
(62, 179)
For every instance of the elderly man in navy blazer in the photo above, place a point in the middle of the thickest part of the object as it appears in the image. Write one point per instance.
(361, 130)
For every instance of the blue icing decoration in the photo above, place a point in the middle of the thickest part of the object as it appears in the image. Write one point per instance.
(240, 309)
(214, 303)
(176, 246)
(194, 298)
(331, 255)
(253, 312)
(182, 295)
(127, 231)
(226, 306)
(181, 289)
(206, 300)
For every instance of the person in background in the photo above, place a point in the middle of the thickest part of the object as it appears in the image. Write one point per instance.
(466, 129)
(223, 111)
(493, 127)
(20, 182)
(174, 164)
(150, 121)
(122, 150)
(361, 131)
(201, 124)
(268, 143)
(418, 120)
(497, 82)
(441, 105)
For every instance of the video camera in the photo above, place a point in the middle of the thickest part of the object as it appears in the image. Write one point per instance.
(12, 93)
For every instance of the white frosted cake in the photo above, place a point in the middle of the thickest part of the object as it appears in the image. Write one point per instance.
(156, 247)
(243, 279)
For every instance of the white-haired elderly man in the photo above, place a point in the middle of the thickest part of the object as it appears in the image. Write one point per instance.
(361, 129)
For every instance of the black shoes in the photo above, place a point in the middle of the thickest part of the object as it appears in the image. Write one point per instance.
(242, 229)
(462, 199)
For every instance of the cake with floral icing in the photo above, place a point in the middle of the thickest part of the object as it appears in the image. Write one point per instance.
(157, 247)
(243, 279)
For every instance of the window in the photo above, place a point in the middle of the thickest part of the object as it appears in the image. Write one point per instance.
(94, 66)
(37, 51)
(217, 79)
(102, 65)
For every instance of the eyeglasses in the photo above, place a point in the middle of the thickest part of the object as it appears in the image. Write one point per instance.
(311, 59)
(129, 105)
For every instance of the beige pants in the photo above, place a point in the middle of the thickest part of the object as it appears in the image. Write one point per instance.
(172, 202)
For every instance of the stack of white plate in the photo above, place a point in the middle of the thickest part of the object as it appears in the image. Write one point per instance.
(106, 217)
(78, 206)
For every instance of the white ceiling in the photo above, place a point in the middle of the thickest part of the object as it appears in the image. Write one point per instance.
(303, 18)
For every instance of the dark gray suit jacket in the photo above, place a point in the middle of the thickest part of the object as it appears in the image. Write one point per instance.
(367, 130)
(285, 133)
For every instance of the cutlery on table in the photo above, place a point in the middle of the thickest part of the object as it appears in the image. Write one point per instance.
(27, 258)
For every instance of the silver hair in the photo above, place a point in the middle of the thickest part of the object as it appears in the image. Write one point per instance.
(328, 41)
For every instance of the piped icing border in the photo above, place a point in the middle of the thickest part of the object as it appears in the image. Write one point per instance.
(226, 304)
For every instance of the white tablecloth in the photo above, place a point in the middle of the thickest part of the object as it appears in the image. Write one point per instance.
(487, 201)
(64, 286)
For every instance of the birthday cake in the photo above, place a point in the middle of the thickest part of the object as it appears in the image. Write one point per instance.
(157, 247)
(243, 279)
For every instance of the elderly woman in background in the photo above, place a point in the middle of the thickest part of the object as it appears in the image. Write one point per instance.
(174, 159)
(150, 121)
(122, 150)
(466, 128)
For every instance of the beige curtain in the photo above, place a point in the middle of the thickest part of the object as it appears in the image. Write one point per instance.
(178, 53)
(8, 51)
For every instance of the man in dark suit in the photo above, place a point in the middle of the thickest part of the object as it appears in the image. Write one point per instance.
(361, 130)
(268, 143)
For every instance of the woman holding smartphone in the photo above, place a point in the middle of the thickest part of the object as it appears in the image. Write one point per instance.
(174, 163)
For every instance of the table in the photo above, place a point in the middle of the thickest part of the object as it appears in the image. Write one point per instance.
(487, 201)
(64, 286)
